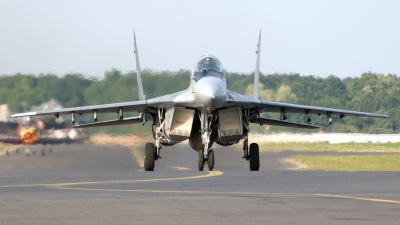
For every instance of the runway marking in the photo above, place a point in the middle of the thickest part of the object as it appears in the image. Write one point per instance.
(360, 198)
(208, 175)
(67, 186)
(178, 191)
(229, 193)
(178, 167)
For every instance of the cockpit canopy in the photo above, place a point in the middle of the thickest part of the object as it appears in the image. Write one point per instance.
(208, 66)
(208, 63)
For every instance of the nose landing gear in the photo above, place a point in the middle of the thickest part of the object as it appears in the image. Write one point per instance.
(201, 160)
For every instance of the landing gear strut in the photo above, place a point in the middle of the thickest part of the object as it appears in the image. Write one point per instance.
(246, 154)
(207, 154)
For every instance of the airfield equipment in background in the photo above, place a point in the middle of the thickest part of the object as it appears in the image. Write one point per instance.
(45, 130)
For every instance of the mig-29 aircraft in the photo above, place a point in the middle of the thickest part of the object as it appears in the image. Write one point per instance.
(205, 113)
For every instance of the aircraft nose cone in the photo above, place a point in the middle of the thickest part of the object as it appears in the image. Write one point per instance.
(210, 92)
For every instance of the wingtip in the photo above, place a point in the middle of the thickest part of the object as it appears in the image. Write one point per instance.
(23, 114)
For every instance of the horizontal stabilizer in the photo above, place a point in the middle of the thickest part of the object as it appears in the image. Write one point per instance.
(269, 121)
(130, 120)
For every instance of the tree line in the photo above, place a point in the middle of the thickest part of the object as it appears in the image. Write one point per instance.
(370, 92)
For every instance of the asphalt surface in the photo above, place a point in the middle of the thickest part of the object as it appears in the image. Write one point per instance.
(85, 184)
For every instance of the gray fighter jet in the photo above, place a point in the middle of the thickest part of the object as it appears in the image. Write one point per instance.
(205, 113)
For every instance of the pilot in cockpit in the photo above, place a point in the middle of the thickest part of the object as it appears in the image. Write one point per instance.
(207, 65)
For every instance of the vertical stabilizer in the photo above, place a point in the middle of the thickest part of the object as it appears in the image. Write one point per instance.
(257, 71)
(138, 73)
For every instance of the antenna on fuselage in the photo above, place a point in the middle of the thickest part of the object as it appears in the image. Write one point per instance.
(257, 71)
(142, 96)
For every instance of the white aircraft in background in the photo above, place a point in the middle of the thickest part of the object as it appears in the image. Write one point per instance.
(205, 113)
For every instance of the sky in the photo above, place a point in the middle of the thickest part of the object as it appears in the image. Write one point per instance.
(344, 38)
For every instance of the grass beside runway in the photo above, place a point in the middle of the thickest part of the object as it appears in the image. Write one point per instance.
(326, 146)
(349, 162)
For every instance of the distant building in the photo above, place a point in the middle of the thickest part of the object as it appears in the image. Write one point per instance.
(5, 113)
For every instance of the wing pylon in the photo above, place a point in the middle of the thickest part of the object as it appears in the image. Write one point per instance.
(130, 120)
(269, 121)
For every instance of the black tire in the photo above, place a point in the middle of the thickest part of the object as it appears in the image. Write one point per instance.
(149, 157)
(254, 157)
(211, 160)
(200, 160)
(43, 153)
(16, 151)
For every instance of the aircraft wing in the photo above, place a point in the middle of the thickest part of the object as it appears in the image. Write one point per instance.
(143, 106)
(294, 108)
(105, 108)
(238, 100)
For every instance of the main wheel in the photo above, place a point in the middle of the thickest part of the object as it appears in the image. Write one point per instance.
(149, 157)
(211, 160)
(254, 157)
(200, 160)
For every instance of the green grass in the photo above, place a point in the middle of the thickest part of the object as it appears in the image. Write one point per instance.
(326, 146)
(350, 162)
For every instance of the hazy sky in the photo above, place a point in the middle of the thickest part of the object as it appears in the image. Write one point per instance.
(343, 38)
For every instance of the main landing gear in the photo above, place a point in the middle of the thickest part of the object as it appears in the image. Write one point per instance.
(151, 154)
(201, 160)
(253, 156)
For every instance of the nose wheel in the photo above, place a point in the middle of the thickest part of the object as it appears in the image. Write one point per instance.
(201, 160)
(211, 160)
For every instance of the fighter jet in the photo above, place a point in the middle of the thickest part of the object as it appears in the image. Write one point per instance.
(205, 113)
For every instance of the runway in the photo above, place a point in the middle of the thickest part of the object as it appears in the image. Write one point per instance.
(86, 184)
